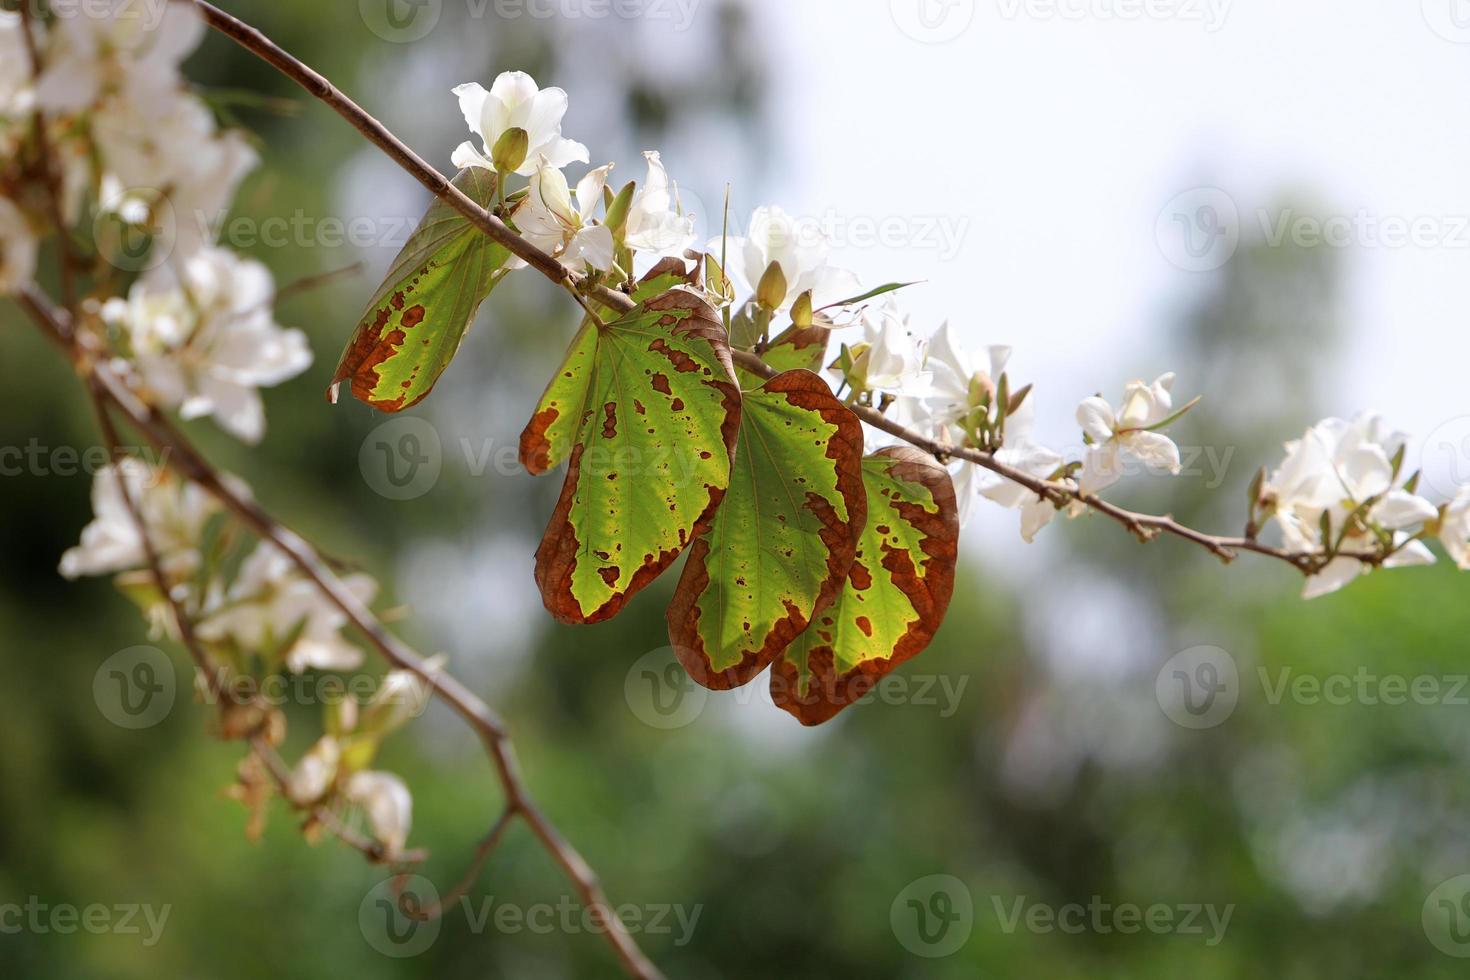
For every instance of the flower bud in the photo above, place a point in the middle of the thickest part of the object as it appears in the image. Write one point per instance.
(771, 292)
(509, 152)
(617, 211)
(801, 311)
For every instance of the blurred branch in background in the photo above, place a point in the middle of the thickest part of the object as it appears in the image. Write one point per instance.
(112, 393)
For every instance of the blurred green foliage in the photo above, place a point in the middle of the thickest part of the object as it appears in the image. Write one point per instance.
(1053, 777)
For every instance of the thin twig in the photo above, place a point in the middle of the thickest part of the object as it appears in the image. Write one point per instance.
(437, 184)
(482, 854)
(160, 432)
(49, 170)
(184, 628)
(316, 281)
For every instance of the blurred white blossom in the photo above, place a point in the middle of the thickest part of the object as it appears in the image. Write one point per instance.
(205, 338)
(1130, 431)
(401, 697)
(120, 50)
(16, 90)
(1454, 528)
(655, 225)
(387, 804)
(515, 102)
(963, 383)
(174, 513)
(1347, 474)
(17, 248)
(270, 602)
(315, 772)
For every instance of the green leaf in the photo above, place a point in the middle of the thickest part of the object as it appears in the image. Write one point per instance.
(895, 596)
(888, 287)
(645, 410)
(419, 315)
(667, 273)
(783, 539)
(798, 347)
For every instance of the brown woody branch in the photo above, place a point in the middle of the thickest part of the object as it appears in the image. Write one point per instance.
(160, 432)
(1145, 526)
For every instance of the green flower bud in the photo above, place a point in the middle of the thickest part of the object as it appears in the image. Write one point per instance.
(509, 152)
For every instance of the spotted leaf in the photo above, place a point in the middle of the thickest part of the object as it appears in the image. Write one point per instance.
(645, 411)
(783, 539)
(798, 347)
(895, 596)
(419, 315)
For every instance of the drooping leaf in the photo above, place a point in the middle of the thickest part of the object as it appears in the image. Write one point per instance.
(895, 595)
(415, 322)
(645, 411)
(782, 541)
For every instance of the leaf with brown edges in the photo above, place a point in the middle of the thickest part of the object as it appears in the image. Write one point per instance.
(645, 411)
(895, 595)
(418, 317)
(783, 539)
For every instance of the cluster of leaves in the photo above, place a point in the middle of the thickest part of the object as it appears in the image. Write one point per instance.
(829, 566)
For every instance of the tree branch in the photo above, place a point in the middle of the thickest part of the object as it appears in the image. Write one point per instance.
(1146, 526)
(182, 456)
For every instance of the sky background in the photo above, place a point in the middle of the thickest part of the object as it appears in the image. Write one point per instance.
(1054, 140)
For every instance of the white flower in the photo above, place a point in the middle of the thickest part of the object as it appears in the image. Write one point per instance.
(316, 771)
(1454, 529)
(963, 392)
(800, 250)
(270, 602)
(17, 248)
(548, 219)
(117, 48)
(388, 805)
(964, 395)
(1127, 431)
(890, 358)
(16, 92)
(172, 144)
(514, 102)
(655, 224)
(205, 339)
(1334, 470)
(174, 513)
(401, 697)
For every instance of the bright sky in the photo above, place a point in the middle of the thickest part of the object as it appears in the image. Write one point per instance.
(1047, 137)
